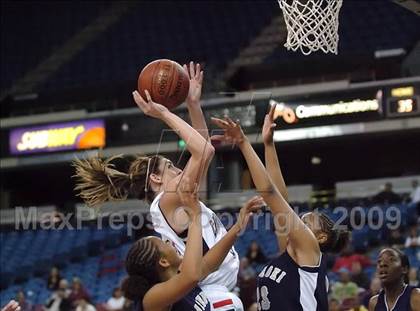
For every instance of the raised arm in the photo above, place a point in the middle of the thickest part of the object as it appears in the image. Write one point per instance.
(271, 159)
(217, 254)
(201, 150)
(164, 294)
(193, 100)
(302, 239)
(273, 167)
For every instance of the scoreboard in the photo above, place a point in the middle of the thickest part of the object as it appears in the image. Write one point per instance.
(403, 101)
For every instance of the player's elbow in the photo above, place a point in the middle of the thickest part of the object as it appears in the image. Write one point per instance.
(209, 152)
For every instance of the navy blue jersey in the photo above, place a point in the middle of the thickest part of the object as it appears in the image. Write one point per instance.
(284, 285)
(402, 304)
(195, 300)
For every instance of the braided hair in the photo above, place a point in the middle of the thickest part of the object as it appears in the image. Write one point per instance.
(99, 180)
(141, 265)
(337, 238)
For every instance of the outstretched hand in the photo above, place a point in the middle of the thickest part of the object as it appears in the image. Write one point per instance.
(11, 306)
(269, 126)
(196, 82)
(251, 206)
(233, 133)
(148, 106)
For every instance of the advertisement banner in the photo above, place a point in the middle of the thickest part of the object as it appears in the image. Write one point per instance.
(75, 135)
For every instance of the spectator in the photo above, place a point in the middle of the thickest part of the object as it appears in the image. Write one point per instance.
(23, 303)
(374, 289)
(358, 306)
(413, 239)
(413, 277)
(415, 193)
(344, 288)
(58, 301)
(387, 196)
(358, 276)
(53, 279)
(84, 305)
(395, 238)
(64, 285)
(117, 301)
(246, 271)
(333, 305)
(78, 292)
(255, 254)
(347, 258)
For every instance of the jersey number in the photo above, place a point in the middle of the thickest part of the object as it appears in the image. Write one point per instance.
(262, 298)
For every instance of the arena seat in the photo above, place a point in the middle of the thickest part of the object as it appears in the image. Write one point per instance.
(119, 53)
(52, 23)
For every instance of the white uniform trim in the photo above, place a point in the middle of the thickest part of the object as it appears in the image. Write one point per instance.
(308, 283)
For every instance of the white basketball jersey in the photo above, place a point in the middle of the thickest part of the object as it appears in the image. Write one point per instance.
(213, 231)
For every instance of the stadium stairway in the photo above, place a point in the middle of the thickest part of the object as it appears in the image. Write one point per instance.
(260, 47)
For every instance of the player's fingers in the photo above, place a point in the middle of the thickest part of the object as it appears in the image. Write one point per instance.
(217, 137)
(148, 97)
(230, 122)
(254, 208)
(192, 73)
(200, 79)
(257, 202)
(9, 305)
(220, 123)
(186, 70)
(197, 71)
(139, 100)
(272, 110)
(273, 125)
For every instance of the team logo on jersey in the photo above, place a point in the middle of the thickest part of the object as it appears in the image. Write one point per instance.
(215, 225)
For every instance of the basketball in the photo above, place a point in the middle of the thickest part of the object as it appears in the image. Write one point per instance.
(166, 81)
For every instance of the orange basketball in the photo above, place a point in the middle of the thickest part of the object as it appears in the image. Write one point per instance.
(166, 81)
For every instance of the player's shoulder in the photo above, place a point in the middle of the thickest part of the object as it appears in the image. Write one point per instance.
(415, 299)
(372, 302)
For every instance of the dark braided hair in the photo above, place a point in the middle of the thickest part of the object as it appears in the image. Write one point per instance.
(141, 265)
(336, 238)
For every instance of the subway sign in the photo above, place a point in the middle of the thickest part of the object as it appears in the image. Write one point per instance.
(75, 135)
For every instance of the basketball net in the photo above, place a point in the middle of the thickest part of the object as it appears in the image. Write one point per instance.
(312, 25)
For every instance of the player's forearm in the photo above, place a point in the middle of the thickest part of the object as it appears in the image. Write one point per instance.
(191, 263)
(273, 168)
(263, 183)
(217, 254)
(196, 144)
(197, 120)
